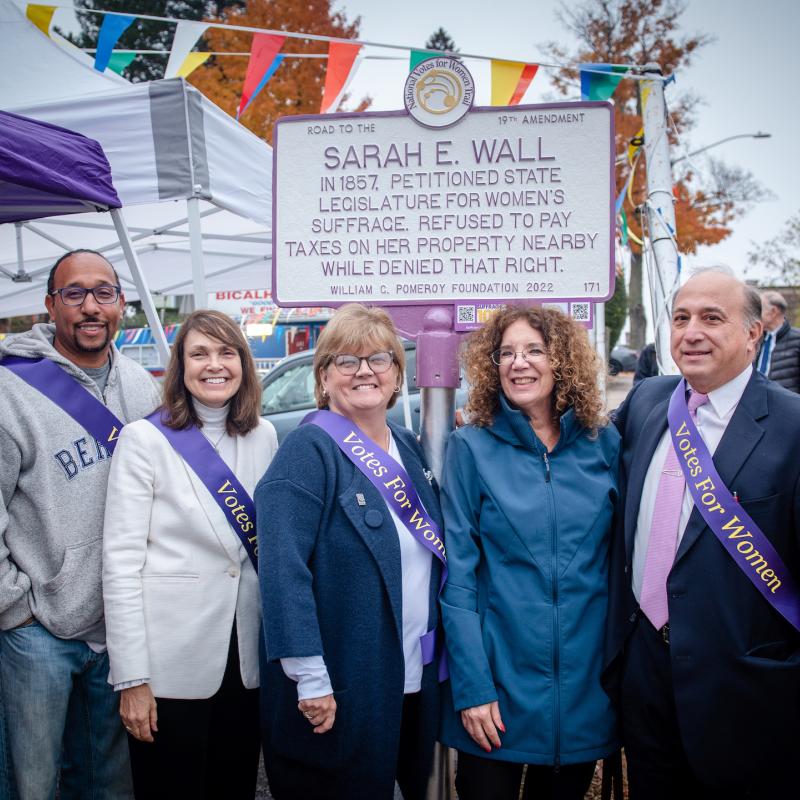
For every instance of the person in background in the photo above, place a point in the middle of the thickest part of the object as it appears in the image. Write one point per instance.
(779, 354)
(528, 494)
(351, 553)
(65, 391)
(181, 591)
(706, 668)
(647, 365)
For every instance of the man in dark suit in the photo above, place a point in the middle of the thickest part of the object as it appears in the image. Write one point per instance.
(707, 672)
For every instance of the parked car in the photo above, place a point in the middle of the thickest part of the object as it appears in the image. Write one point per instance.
(287, 393)
(622, 359)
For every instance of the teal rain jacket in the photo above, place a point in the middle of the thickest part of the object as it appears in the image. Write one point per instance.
(526, 598)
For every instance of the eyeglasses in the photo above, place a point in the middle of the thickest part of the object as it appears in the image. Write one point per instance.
(76, 295)
(378, 362)
(505, 355)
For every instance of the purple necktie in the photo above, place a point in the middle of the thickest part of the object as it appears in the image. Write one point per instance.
(664, 531)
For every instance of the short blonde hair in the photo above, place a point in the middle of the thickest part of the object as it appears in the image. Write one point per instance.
(575, 364)
(354, 328)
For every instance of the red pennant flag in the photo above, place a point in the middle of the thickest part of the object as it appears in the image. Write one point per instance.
(262, 53)
(528, 74)
(340, 63)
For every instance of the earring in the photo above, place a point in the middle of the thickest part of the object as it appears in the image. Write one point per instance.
(324, 392)
(397, 388)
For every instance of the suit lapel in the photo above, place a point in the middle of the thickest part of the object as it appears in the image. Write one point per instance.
(646, 443)
(216, 518)
(741, 436)
(369, 515)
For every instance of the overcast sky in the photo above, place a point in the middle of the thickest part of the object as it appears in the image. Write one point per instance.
(747, 78)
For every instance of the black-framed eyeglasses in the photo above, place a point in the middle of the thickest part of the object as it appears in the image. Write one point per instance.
(504, 356)
(76, 295)
(347, 364)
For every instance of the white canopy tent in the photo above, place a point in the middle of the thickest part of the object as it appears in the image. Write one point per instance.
(196, 186)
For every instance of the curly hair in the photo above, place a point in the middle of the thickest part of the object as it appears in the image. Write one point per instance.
(576, 366)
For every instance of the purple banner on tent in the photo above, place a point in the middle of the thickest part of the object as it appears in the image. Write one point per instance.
(47, 170)
(60, 387)
(396, 488)
(738, 533)
(218, 478)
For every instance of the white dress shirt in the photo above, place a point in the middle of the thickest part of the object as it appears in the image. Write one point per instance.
(415, 565)
(712, 420)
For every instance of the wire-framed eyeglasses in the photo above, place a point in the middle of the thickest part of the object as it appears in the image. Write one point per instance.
(347, 364)
(504, 356)
(76, 295)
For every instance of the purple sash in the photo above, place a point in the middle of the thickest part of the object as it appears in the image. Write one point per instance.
(217, 477)
(741, 537)
(396, 488)
(60, 387)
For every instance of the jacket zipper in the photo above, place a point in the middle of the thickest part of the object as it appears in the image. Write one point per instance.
(556, 640)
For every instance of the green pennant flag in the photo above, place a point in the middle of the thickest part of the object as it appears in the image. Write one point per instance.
(598, 86)
(623, 227)
(118, 61)
(417, 57)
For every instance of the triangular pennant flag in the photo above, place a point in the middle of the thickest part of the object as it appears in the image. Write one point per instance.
(191, 63)
(118, 61)
(528, 74)
(114, 25)
(505, 77)
(417, 57)
(40, 16)
(267, 75)
(623, 227)
(598, 86)
(260, 67)
(340, 70)
(186, 35)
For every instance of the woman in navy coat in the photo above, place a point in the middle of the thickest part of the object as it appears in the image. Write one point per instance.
(348, 704)
(528, 494)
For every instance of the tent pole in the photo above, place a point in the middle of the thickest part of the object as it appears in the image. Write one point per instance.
(196, 248)
(159, 337)
(20, 258)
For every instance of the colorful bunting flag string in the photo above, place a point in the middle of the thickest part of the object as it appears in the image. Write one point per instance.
(186, 35)
(40, 16)
(510, 81)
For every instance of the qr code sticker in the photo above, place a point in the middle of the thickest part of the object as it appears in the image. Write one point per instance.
(466, 314)
(581, 311)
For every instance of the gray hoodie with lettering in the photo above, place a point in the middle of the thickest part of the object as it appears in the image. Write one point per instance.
(53, 477)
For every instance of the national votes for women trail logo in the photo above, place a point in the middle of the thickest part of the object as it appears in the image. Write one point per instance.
(439, 91)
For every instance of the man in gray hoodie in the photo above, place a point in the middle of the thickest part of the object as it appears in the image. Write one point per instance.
(53, 472)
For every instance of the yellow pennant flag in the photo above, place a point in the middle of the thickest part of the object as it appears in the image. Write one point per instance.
(40, 16)
(505, 77)
(191, 63)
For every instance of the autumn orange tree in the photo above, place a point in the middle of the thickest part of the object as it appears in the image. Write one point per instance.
(643, 32)
(296, 87)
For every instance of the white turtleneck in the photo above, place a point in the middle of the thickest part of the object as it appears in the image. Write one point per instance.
(213, 429)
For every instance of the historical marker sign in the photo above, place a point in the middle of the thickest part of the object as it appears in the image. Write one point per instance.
(507, 204)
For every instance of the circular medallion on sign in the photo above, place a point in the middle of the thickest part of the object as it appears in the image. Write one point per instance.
(439, 91)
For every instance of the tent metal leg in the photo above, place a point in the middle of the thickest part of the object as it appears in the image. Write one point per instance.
(196, 248)
(137, 274)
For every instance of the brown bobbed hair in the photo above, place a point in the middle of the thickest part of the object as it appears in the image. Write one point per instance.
(353, 329)
(244, 410)
(575, 364)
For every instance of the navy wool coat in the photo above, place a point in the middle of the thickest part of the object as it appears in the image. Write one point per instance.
(330, 578)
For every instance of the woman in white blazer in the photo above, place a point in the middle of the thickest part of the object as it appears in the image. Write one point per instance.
(180, 588)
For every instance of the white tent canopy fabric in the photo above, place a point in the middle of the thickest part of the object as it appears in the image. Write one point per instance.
(182, 168)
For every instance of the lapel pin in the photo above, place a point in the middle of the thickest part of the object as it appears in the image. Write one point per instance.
(428, 475)
(360, 499)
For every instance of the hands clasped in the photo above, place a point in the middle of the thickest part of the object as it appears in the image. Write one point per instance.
(319, 711)
(482, 724)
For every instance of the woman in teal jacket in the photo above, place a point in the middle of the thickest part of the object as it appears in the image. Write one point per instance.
(529, 492)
